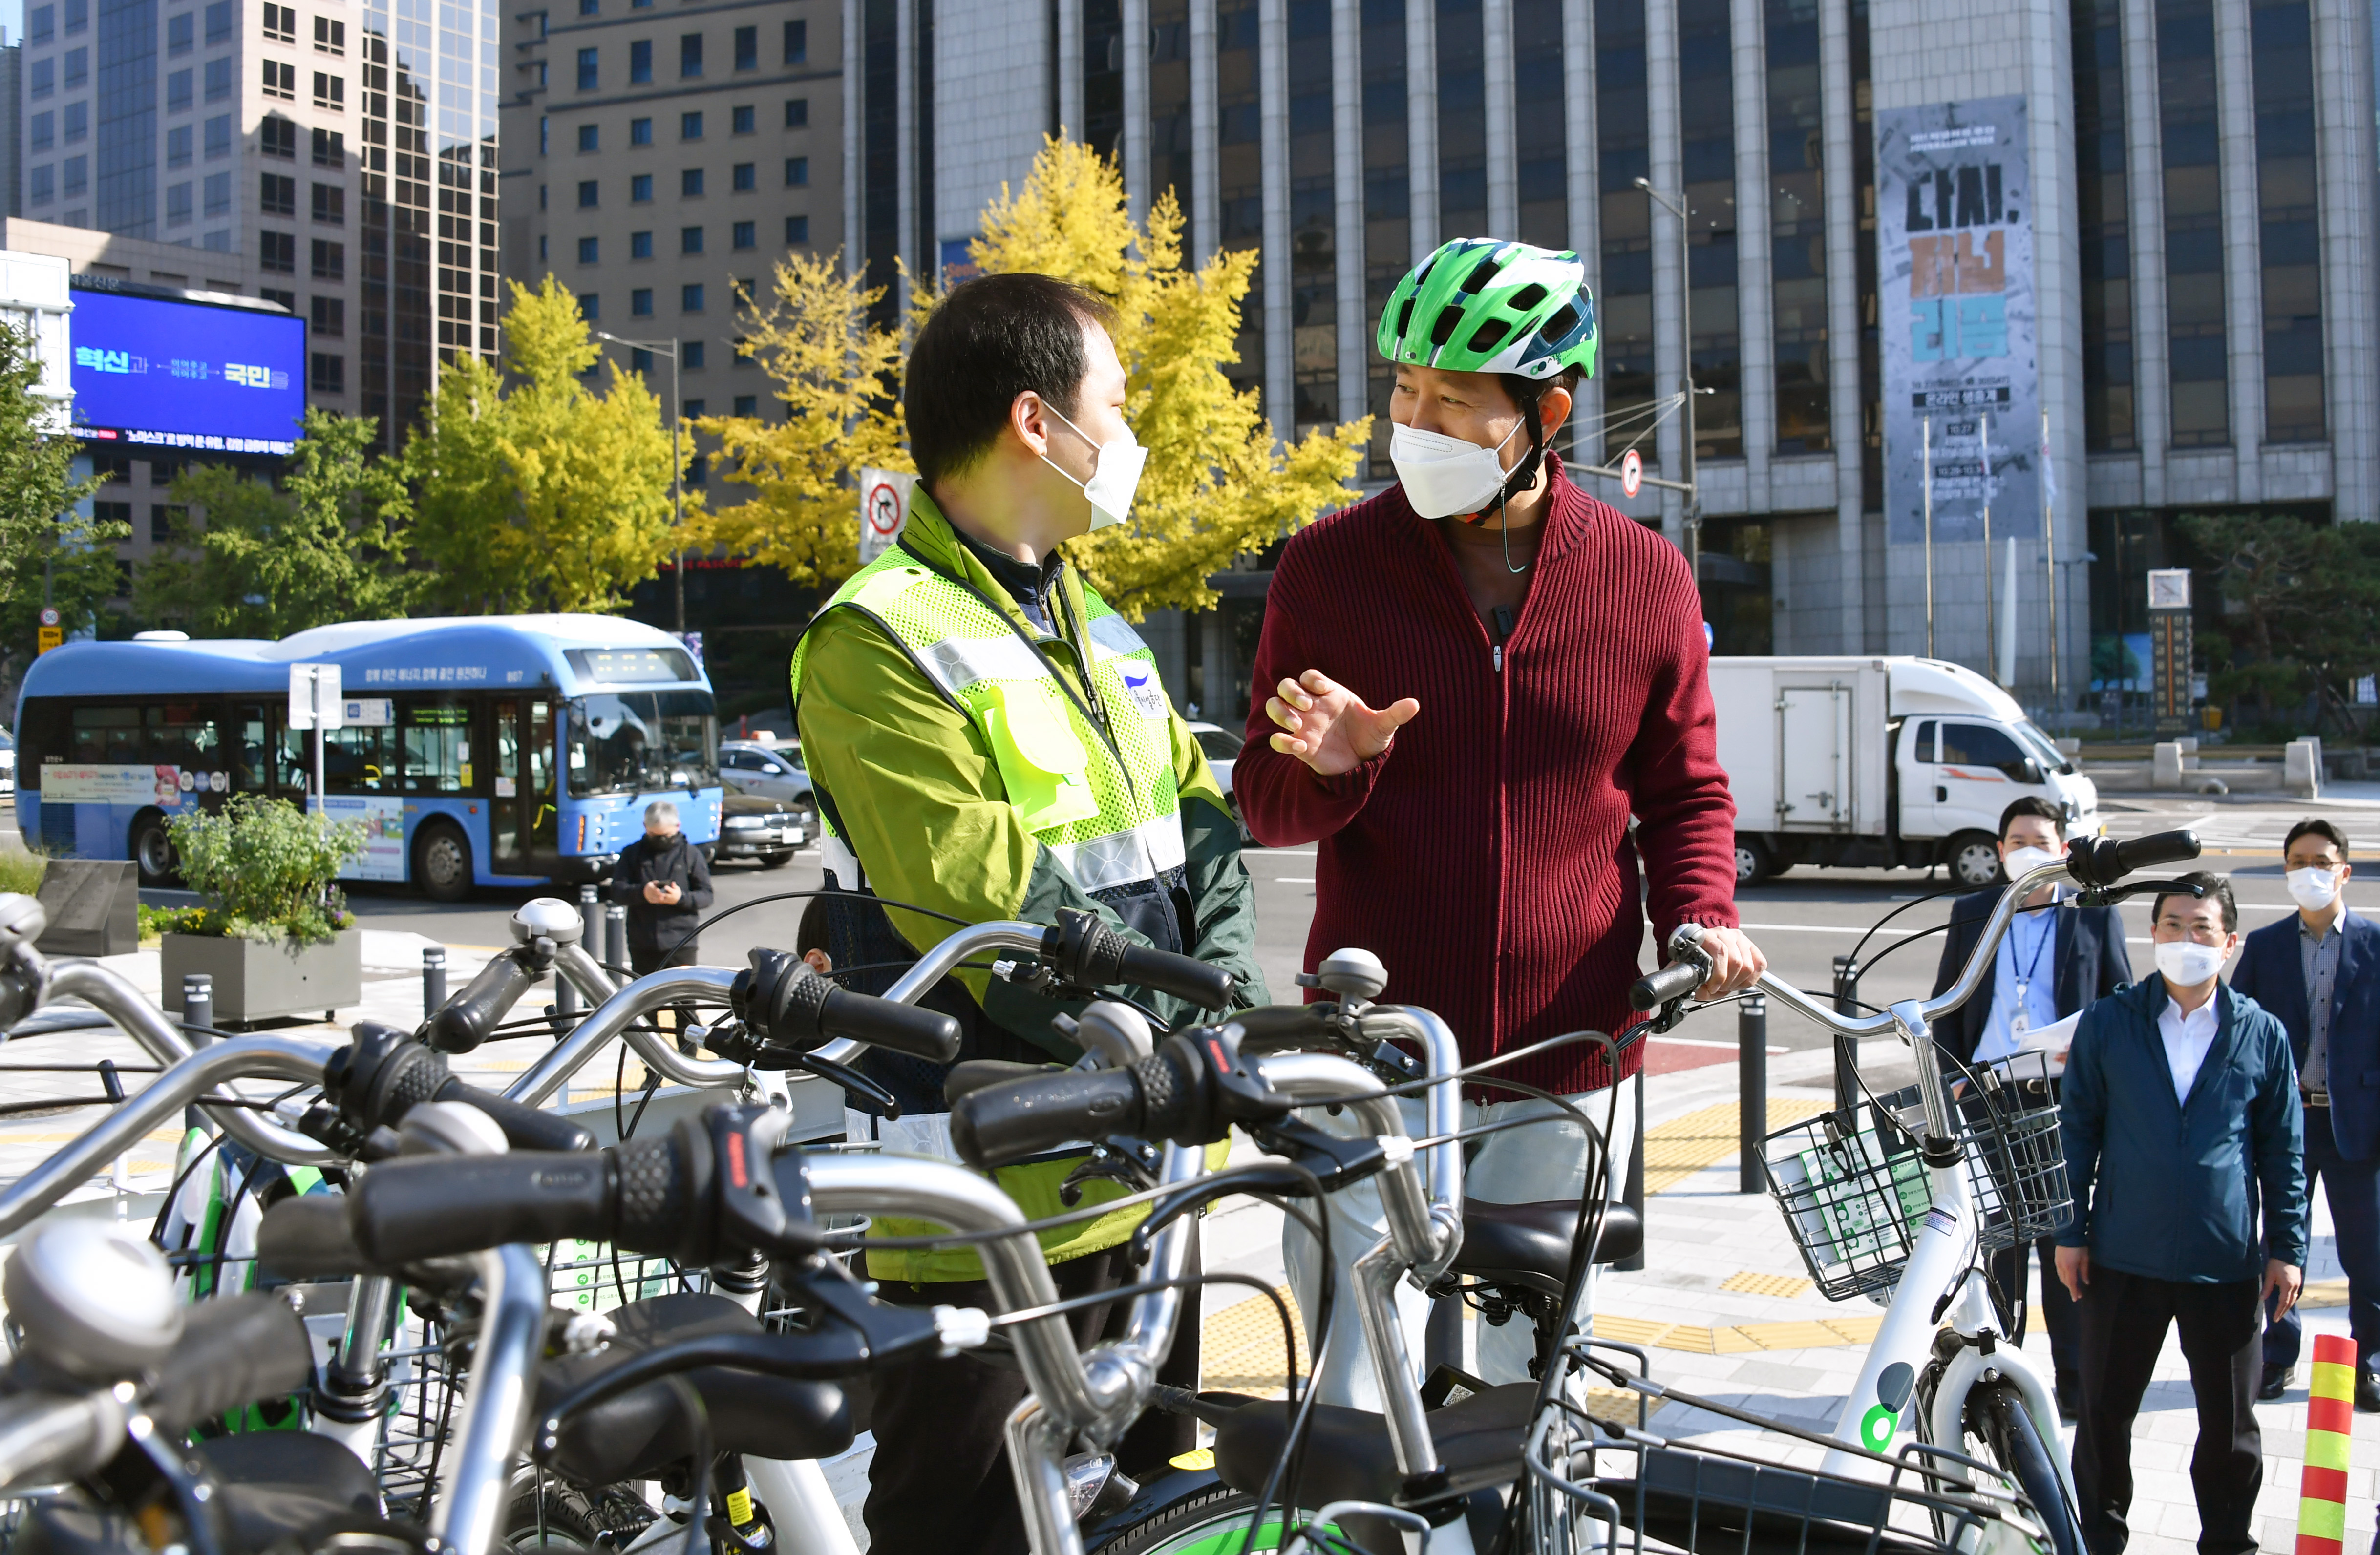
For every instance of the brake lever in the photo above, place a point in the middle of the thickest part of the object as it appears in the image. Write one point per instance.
(1036, 975)
(1135, 1164)
(2108, 895)
(1334, 1161)
(854, 1084)
(1262, 1176)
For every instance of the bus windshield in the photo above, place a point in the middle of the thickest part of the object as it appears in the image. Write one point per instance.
(639, 742)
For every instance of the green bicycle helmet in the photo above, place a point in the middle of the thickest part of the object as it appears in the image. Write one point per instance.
(1480, 306)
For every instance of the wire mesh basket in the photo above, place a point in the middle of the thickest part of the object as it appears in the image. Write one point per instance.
(1852, 1186)
(1596, 1485)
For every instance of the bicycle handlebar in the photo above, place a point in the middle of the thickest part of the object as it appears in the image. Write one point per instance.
(1191, 1090)
(464, 1022)
(1087, 952)
(1673, 981)
(784, 1003)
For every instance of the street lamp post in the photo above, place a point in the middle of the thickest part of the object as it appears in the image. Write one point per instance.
(678, 465)
(1694, 514)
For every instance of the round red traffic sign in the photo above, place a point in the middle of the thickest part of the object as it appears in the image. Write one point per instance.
(1632, 473)
(884, 509)
(49, 616)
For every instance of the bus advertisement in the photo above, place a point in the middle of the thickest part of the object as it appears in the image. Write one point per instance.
(474, 750)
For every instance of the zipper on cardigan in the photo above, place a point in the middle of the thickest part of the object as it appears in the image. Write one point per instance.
(1499, 651)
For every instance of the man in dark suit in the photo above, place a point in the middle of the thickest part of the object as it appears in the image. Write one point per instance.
(2051, 964)
(2320, 972)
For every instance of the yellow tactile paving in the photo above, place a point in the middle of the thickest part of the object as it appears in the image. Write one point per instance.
(1239, 1346)
(1820, 1333)
(1677, 1149)
(1767, 1284)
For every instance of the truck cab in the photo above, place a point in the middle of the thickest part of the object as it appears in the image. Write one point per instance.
(1895, 762)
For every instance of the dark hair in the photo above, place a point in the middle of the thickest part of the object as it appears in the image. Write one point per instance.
(992, 339)
(2218, 888)
(2316, 827)
(2033, 805)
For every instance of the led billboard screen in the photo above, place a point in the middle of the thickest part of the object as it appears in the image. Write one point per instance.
(161, 374)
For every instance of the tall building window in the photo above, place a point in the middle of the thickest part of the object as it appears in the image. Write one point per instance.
(2102, 192)
(690, 240)
(640, 62)
(1797, 227)
(277, 194)
(797, 42)
(179, 92)
(1623, 151)
(181, 34)
(744, 235)
(588, 191)
(1462, 120)
(591, 74)
(742, 120)
(2193, 224)
(1705, 87)
(640, 245)
(1240, 170)
(797, 116)
(1539, 132)
(689, 127)
(640, 132)
(1388, 195)
(177, 146)
(589, 250)
(1313, 221)
(747, 48)
(2290, 232)
(689, 54)
(275, 137)
(1169, 100)
(1102, 75)
(590, 137)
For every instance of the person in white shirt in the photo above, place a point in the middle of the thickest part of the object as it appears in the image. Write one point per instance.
(2185, 1155)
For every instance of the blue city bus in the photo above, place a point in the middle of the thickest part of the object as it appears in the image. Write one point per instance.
(476, 751)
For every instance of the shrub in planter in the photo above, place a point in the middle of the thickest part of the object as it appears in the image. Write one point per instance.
(265, 868)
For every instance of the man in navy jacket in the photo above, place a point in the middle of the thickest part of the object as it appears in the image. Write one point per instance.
(2328, 951)
(2051, 963)
(2181, 1127)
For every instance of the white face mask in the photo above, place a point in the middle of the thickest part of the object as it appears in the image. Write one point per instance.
(1115, 473)
(2186, 963)
(1443, 475)
(2022, 861)
(2312, 888)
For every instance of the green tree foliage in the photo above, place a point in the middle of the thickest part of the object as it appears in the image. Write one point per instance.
(264, 868)
(2300, 616)
(266, 563)
(47, 549)
(537, 491)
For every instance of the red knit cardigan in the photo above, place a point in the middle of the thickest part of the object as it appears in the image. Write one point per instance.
(1484, 857)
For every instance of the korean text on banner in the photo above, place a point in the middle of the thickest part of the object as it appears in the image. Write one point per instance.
(883, 509)
(1954, 262)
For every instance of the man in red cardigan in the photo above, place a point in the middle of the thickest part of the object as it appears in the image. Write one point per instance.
(1475, 679)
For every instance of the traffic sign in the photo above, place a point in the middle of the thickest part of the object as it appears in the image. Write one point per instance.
(314, 697)
(49, 615)
(1632, 473)
(47, 637)
(883, 509)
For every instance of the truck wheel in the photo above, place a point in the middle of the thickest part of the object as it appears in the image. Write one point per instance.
(1974, 860)
(1752, 862)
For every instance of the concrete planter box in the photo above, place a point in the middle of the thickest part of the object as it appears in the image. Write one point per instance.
(257, 980)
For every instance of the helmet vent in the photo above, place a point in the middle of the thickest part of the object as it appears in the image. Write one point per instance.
(1480, 279)
(1490, 336)
(1404, 317)
(1559, 322)
(1528, 297)
(1441, 329)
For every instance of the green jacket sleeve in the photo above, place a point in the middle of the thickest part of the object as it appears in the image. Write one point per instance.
(919, 800)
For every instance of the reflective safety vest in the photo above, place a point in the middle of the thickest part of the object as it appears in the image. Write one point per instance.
(1096, 787)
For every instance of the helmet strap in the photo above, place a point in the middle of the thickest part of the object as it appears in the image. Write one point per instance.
(1524, 474)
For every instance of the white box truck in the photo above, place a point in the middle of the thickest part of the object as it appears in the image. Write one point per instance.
(1880, 762)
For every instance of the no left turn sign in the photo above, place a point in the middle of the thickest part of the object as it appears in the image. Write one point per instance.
(1632, 473)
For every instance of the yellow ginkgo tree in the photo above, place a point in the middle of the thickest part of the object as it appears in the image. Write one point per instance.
(1216, 485)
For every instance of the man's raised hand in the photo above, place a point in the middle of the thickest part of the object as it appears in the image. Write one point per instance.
(1328, 726)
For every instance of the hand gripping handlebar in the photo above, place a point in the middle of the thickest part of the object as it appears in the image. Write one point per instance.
(785, 1005)
(1089, 952)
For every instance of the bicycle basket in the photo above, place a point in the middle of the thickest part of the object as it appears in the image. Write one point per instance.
(1603, 1487)
(1852, 1186)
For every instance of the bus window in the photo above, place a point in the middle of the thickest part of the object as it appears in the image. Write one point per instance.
(109, 736)
(437, 737)
(641, 742)
(252, 741)
(542, 818)
(184, 734)
(356, 759)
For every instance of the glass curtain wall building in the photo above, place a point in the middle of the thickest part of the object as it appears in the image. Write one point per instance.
(2200, 210)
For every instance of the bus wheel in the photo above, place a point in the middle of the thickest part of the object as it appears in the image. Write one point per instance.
(441, 862)
(152, 849)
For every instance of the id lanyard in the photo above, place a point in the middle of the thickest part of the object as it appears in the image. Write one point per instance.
(2020, 1021)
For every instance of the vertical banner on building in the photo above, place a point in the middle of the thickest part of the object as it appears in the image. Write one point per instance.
(1954, 266)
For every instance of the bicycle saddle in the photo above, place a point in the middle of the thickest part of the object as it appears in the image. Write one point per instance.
(279, 1487)
(1529, 1244)
(640, 1432)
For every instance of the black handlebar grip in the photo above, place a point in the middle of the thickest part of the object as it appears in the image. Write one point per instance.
(308, 1237)
(525, 1128)
(233, 1352)
(464, 1020)
(896, 1027)
(2158, 847)
(662, 1188)
(428, 1207)
(1673, 981)
(1002, 1125)
(1184, 977)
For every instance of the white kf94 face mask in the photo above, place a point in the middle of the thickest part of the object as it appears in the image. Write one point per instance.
(2188, 963)
(2024, 860)
(2312, 888)
(1445, 476)
(1115, 473)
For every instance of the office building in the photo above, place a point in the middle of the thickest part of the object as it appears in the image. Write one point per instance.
(659, 162)
(2146, 225)
(12, 92)
(299, 143)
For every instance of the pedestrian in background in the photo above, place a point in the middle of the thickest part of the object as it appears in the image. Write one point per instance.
(664, 881)
(2320, 973)
(2051, 964)
(2182, 1123)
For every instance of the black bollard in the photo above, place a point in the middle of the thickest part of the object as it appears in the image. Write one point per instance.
(615, 940)
(199, 1006)
(1752, 1091)
(433, 980)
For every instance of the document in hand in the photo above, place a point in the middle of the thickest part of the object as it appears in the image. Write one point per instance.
(2053, 1039)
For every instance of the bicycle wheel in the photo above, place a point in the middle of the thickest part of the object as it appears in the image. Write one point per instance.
(1211, 1520)
(555, 1515)
(2016, 1440)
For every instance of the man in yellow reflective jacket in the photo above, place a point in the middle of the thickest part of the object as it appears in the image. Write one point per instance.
(989, 740)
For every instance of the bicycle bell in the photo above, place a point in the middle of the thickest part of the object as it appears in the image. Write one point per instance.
(94, 1298)
(550, 917)
(1352, 974)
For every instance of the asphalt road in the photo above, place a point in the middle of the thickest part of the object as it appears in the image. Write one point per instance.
(1801, 919)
